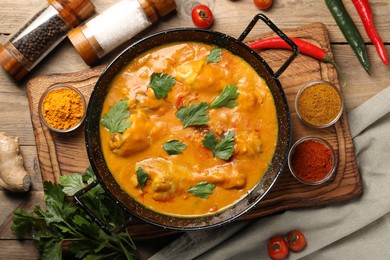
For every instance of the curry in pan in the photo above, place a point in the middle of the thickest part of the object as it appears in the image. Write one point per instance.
(187, 129)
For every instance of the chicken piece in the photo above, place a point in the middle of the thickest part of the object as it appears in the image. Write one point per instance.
(224, 174)
(248, 142)
(188, 71)
(250, 99)
(168, 179)
(135, 138)
(211, 79)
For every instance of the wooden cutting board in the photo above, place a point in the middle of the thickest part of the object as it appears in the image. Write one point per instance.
(61, 154)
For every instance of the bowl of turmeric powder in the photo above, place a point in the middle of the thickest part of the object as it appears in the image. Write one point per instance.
(319, 104)
(62, 108)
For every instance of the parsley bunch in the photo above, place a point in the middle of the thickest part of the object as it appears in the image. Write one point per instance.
(64, 225)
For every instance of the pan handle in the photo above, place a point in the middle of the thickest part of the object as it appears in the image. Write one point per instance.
(280, 34)
(93, 216)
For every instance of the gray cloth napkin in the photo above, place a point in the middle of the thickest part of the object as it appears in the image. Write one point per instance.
(357, 229)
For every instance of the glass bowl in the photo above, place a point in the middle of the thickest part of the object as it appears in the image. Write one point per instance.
(41, 112)
(313, 163)
(318, 106)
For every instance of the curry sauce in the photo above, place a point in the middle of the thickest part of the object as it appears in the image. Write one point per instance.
(154, 121)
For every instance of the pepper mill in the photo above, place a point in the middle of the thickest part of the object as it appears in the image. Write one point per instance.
(114, 26)
(41, 34)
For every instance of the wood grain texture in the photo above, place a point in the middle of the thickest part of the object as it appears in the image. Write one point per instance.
(65, 154)
(230, 18)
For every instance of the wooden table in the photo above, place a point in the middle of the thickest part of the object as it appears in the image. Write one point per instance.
(231, 17)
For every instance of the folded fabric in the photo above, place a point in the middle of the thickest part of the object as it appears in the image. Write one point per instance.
(357, 229)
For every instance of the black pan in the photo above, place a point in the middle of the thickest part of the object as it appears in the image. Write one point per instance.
(236, 46)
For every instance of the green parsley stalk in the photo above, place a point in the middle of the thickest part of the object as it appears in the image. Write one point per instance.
(65, 230)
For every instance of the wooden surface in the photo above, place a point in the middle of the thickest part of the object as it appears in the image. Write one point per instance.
(230, 17)
(65, 154)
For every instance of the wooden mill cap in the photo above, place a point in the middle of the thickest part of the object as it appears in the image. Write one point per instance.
(10, 60)
(73, 11)
(86, 47)
(157, 8)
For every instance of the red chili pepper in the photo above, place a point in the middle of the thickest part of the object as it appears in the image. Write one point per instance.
(303, 46)
(365, 13)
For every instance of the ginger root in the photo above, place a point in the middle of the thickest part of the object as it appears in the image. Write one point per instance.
(13, 176)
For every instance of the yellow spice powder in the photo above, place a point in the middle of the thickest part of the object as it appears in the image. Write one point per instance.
(63, 108)
(319, 104)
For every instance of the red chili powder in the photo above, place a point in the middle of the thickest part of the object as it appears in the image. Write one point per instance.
(311, 160)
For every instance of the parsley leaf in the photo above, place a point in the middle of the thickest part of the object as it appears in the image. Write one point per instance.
(227, 98)
(202, 189)
(194, 114)
(214, 56)
(142, 177)
(72, 183)
(52, 250)
(115, 120)
(161, 84)
(174, 147)
(224, 149)
(210, 141)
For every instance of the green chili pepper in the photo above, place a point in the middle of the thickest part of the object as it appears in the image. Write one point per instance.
(349, 30)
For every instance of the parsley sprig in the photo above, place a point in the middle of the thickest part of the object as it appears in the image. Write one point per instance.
(214, 56)
(202, 189)
(161, 84)
(63, 222)
(174, 147)
(227, 98)
(142, 177)
(116, 119)
(194, 114)
(224, 148)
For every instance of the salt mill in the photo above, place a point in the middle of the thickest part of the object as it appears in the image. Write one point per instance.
(41, 34)
(117, 24)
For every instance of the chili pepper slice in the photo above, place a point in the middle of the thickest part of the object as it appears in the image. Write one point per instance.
(349, 31)
(303, 47)
(364, 10)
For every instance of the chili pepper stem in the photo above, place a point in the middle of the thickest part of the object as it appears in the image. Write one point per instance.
(343, 81)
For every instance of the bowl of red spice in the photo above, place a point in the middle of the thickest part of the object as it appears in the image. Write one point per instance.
(319, 104)
(312, 160)
(62, 108)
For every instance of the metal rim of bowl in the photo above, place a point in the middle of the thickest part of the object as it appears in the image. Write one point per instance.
(319, 140)
(312, 83)
(55, 87)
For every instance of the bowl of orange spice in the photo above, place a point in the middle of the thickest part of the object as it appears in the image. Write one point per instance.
(319, 104)
(62, 108)
(312, 160)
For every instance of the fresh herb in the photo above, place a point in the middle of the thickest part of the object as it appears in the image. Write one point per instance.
(71, 183)
(115, 120)
(202, 189)
(161, 84)
(224, 149)
(174, 147)
(64, 224)
(142, 177)
(227, 98)
(214, 56)
(194, 114)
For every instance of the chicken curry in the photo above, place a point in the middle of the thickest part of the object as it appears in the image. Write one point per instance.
(188, 129)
